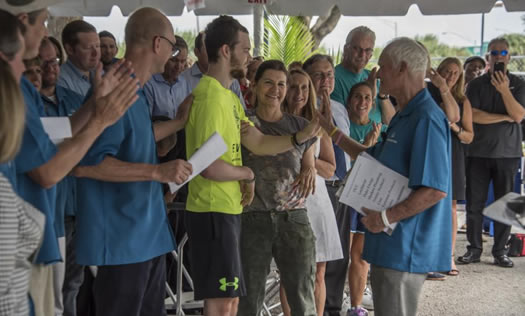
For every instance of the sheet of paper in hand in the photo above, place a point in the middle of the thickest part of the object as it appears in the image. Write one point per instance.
(210, 151)
(374, 186)
(58, 128)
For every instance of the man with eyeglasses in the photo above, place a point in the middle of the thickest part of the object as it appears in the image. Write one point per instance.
(165, 91)
(82, 45)
(357, 52)
(498, 100)
(60, 101)
(122, 227)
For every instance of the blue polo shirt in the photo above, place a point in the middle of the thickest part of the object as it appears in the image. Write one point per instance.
(36, 150)
(345, 80)
(65, 104)
(417, 145)
(122, 222)
(72, 78)
(163, 97)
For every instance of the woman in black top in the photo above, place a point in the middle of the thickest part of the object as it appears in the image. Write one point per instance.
(447, 87)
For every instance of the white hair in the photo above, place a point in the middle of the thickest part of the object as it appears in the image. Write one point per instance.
(404, 49)
(361, 30)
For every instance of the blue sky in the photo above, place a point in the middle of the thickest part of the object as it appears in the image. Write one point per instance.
(457, 30)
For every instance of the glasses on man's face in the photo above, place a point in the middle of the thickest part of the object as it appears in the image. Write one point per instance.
(174, 50)
(322, 75)
(359, 50)
(496, 52)
(50, 63)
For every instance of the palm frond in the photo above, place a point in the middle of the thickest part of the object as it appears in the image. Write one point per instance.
(287, 39)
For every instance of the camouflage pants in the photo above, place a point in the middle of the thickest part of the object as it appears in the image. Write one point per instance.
(288, 238)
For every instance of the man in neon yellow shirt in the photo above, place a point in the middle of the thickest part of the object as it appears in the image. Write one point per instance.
(217, 196)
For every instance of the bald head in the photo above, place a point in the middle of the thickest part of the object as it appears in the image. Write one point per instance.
(144, 24)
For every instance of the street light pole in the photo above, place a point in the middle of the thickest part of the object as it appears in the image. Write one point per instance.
(482, 33)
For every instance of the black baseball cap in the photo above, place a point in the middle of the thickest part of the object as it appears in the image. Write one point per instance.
(472, 58)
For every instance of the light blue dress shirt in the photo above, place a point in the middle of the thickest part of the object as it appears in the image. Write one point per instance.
(193, 75)
(417, 145)
(342, 121)
(164, 98)
(72, 78)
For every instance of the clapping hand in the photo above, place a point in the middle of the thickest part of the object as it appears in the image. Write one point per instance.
(372, 136)
(114, 92)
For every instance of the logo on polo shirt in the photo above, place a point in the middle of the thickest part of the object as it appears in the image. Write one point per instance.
(225, 284)
(391, 138)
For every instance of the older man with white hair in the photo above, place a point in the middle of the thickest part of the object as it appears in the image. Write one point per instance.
(358, 49)
(416, 145)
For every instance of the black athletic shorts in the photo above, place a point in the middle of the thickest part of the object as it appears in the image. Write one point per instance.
(214, 252)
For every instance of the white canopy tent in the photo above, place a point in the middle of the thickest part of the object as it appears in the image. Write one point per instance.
(286, 7)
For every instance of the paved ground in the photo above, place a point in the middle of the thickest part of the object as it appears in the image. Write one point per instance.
(480, 289)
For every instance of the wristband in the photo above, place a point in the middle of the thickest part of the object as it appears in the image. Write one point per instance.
(250, 180)
(332, 133)
(294, 140)
(385, 219)
(338, 138)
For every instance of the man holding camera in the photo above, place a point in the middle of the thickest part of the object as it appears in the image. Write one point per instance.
(498, 100)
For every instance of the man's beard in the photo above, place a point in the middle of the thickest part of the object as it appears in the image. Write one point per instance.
(237, 71)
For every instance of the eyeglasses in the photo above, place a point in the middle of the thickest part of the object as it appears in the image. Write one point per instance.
(322, 75)
(359, 50)
(51, 63)
(174, 50)
(499, 52)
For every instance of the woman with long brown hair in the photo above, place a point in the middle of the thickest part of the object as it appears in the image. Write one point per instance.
(301, 100)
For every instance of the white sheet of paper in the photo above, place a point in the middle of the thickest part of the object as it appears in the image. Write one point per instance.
(210, 151)
(374, 186)
(499, 211)
(58, 128)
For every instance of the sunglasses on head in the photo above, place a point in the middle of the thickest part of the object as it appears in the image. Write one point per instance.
(499, 52)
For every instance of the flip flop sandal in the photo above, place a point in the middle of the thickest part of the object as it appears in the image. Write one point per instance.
(435, 276)
(453, 272)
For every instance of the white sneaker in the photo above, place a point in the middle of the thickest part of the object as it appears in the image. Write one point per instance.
(346, 302)
(368, 302)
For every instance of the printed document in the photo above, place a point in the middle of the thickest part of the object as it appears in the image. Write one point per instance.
(58, 128)
(374, 186)
(210, 151)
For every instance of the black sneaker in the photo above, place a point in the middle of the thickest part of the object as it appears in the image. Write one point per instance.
(469, 257)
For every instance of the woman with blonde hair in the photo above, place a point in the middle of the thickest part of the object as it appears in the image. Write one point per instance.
(21, 225)
(447, 89)
(301, 100)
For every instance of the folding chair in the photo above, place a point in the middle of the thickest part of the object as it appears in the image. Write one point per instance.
(181, 302)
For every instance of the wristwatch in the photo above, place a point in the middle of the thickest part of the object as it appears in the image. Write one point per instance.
(383, 97)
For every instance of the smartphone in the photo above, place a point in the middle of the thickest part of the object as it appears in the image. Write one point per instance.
(499, 67)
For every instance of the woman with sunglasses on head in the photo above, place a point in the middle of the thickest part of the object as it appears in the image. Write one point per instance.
(446, 87)
(301, 100)
(276, 224)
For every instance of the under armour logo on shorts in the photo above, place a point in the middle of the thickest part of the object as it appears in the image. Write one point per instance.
(225, 284)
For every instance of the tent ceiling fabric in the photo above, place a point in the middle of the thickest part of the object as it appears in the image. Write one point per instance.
(287, 7)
